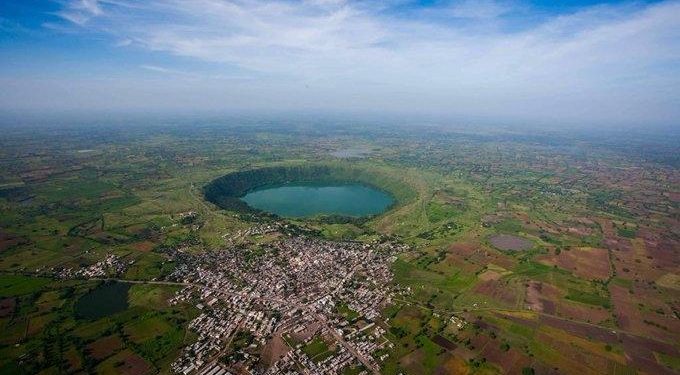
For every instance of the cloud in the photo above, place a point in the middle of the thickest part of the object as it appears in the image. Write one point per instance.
(278, 36)
(478, 9)
(602, 62)
(160, 69)
(80, 11)
(123, 42)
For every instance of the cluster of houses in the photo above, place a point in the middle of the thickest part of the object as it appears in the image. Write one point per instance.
(253, 298)
(112, 265)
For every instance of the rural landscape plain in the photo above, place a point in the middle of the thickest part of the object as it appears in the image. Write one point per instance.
(218, 187)
(134, 252)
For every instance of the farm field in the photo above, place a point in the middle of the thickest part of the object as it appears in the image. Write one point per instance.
(522, 253)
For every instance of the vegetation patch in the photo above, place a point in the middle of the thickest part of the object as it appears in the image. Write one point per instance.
(347, 312)
(152, 296)
(317, 349)
(588, 298)
(670, 281)
(446, 230)
(16, 285)
(437, 212)
(144, 329)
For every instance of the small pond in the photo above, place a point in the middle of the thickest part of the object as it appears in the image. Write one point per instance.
(106, 299)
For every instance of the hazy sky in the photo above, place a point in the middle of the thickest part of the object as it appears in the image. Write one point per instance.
(588, 63)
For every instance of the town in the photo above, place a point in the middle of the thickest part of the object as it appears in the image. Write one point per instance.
(296, 305)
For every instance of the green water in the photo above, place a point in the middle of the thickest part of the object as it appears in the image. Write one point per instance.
(307, 200)
(106, 299)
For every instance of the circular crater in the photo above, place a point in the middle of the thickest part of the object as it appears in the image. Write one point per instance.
(310, 190)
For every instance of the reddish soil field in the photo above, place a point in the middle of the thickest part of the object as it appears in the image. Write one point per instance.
(479, 341)
(37, 324)
(459, 263)
(631, 267)
(574, 358)
(674, 196)
(581, 329)
(588, 263)
(73, 359)
(540, 297)
(543, 369)
(275, 349)
(498, 290)
(510, 361)
(546, 298)
(490, 276)
(7, 306)
(413, 362)
(463, 249)
(132, 364)
(640, 352)
(611, 240)
(144, 246)
(7, 241)
(625, 312)
(452, 365)
(582, 312)
(486, 256)
(607, 227)
(104, 347)
(637, 313)
(663, 252)
(308, 332)
(444, 342)
(463, 254)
